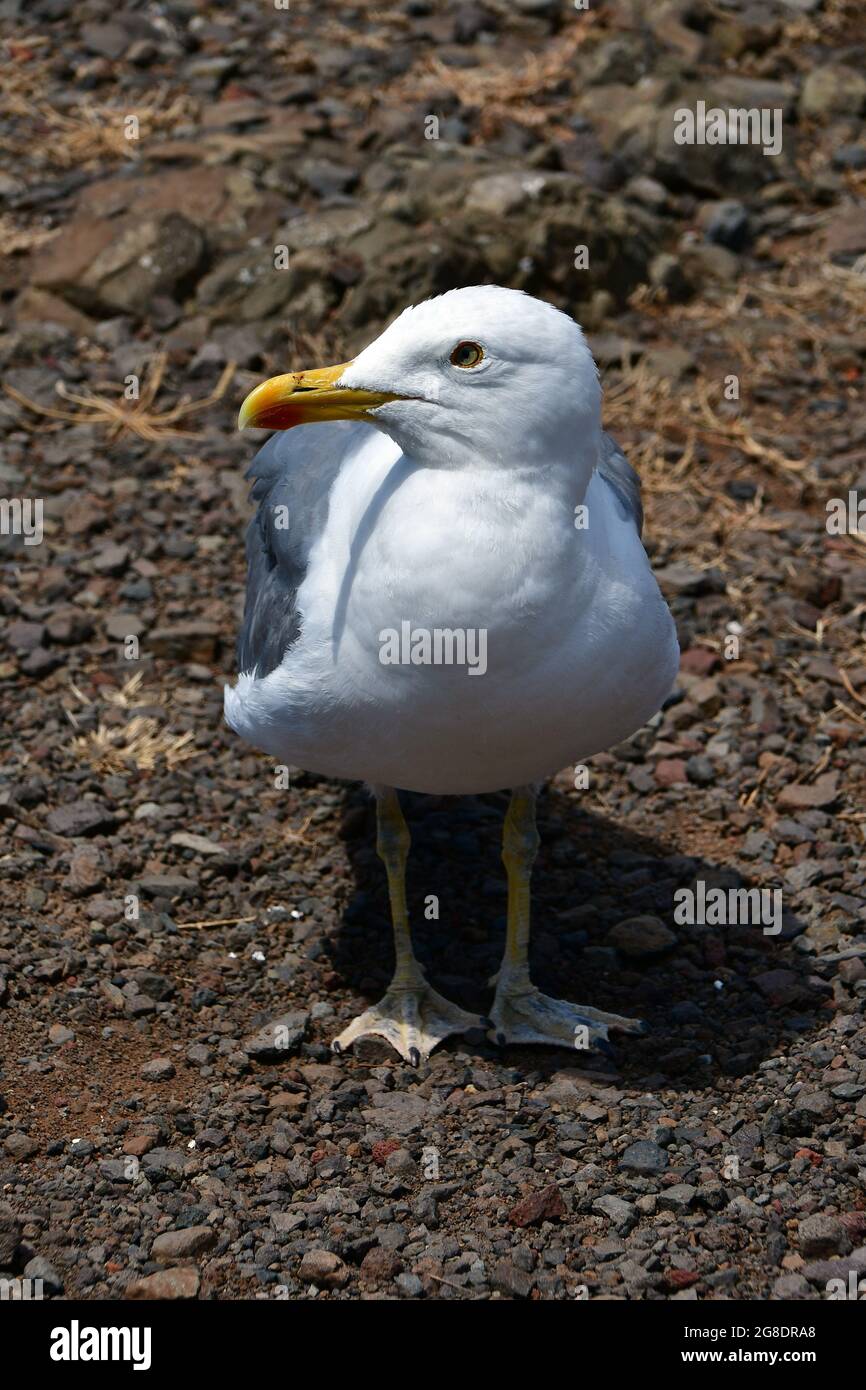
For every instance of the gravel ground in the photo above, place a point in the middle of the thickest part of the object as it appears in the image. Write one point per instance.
(172, 1122)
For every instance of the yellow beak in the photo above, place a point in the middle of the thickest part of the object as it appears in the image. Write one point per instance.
(300, 398)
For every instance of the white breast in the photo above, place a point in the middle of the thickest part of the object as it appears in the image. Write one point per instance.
(579, 647)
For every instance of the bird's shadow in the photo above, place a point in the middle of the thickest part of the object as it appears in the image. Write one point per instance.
(718, 1000)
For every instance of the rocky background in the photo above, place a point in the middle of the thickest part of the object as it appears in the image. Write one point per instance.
(153, 1140)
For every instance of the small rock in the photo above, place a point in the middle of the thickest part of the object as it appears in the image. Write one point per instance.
(850, 157)
(678, 1198)
(822, 1235)
(40, 662)
(164, 1163)
(10, 1236)
(508, 1279)
(666, 273)
(401, 1112)
(804, 795)
(501, 194)
(81, 818)
(643, 1157)
(820, 1271)
(184, 1244)
(111, 559)
(199, 844)
(845, 239)
(58, 1034)
(167, 885)
(700, 769)
(277, 1040)
(851, 971)
(20, 1146)
(683, 579)
(791, 832)
(791, 1286)
(699, 661)
(324, 1269)
(23, 636)
(167, 1284)
(641, 936)
(671, 772)
(621, 1213)
(119, 1169)
(781, 987)
(380, 1266)
(547, 1205)
(186, 641)
(108, 40)
(833, 90)
(159, 1069)
(816, 1103)
(726, 223)
(86, 870)
(40, 1268)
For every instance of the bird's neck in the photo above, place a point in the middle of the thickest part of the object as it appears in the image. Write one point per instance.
(560, 462)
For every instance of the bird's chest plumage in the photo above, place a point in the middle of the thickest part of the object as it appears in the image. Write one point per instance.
(460, 550)
(460, 634)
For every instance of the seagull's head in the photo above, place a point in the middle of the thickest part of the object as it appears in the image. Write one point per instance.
(482, 375)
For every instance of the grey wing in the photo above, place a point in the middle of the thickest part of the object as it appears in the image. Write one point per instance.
(292, 479)
(618, 473)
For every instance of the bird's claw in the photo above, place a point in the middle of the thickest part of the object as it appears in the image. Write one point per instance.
(413, 1020)
(528, 1016)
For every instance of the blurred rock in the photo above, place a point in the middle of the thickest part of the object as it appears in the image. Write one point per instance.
(833, 90)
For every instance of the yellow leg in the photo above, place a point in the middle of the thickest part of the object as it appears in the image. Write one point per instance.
(412, 1017)
(521, 1013)
(519, 848)
(392, 846)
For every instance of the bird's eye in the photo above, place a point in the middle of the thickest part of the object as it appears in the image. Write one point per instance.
(467, 355)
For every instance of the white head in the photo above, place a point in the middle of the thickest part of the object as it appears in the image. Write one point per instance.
(483, 376)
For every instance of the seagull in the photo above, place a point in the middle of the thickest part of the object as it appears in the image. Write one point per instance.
(447, 593)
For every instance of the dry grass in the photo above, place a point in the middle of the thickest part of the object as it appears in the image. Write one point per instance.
(14, 239)
(639, 401)
(812, 305)
(828, 25)
(142, 743)
(89, 134)
(139, 417)
(499, 92)
(795, 296)
(686, 440)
